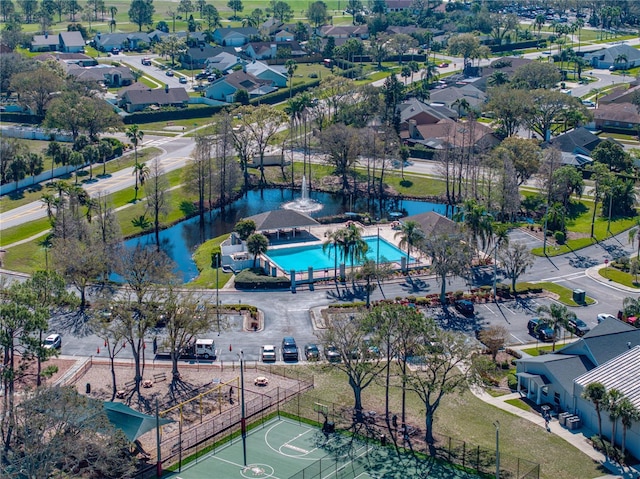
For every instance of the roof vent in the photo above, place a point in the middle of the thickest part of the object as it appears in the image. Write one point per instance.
(629, 344)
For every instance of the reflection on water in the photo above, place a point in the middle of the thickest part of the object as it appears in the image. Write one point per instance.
(182, 239)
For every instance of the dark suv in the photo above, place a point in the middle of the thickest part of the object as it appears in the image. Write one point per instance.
(289, 349)
(578, 327)
(540, 329)
(464, 306)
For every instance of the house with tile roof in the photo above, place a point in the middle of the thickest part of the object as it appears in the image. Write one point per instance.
(225, 88)
(448, 134)
(609, 354)
(612, 57)
(234, 37)
(138, 99)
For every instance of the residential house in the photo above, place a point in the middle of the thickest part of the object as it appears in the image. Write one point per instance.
(399, 5)
(609, 353)
(45, 43)
(272, 50)
(106, 42)
(617, 116)
(68, 58)
(71, 42)
(284, 36)
(225, 88)
(193, 39)
(107, 75)
(575, 146)
(224, 62)
(345, 31)
(620, 95)
(614, 57)
(506, 65)
(448, 134)
(196, 57)
(423, 114)
(453, 95)
(68, 42)
(266, 72)
(235, 37)
(270, 26)
(138, 99)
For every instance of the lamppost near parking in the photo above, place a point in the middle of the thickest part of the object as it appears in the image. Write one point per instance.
(497, 426)
(243, 424)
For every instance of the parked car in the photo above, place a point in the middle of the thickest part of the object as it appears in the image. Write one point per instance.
(464, 306)
(183, 80)
(578, 327)
(311, 352)
(332, 354)
(268, 353)
(541, 330)
(53, 341)
(370, 349)
(588, 103)
(289, 349)
(603, 316)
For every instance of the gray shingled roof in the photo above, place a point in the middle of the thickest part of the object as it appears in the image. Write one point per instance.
(281, 219)
(562, 368)
(160, 96)
(432, 222)
(574, 141)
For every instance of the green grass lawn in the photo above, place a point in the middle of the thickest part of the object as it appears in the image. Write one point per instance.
(465, 417)
(565, 295)
(202, 258)
(620, 277)
(28, 195)
(580, 222)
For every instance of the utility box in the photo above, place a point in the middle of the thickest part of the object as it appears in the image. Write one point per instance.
(579, 296)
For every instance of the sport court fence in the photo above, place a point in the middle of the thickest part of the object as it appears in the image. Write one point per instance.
(447, 449)
(193, 439)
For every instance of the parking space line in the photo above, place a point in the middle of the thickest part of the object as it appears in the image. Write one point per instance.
(517, 338)
(512, 312)
(490, 310)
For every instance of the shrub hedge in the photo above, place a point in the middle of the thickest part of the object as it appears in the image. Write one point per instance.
(254, 278)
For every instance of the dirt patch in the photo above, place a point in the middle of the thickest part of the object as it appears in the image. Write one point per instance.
(29, 380)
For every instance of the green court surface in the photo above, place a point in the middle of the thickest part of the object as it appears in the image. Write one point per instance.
(285, 449)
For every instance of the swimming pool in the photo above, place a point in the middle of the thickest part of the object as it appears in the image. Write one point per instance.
(300, 258)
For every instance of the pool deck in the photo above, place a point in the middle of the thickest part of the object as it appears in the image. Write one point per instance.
(321, 232)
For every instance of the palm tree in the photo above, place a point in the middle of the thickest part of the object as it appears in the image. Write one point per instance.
(539, 22)
(257, 244)
(51, 202)
(53, 150)
(135, 135)
(498, 78)
(633, 234)
(141, 171)
(596, 393)
(595, 92)
(628, 415)
(291, 66)
(556, 316)
(334, 239)
(410, 234)
(430, 72)
(76, 160)
(462, 104)
(477, 221)
(622, 58)
(612, 405)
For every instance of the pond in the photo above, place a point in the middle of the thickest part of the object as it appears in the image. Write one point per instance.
(181, 240)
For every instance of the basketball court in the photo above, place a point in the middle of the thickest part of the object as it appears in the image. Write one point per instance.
(285, 449)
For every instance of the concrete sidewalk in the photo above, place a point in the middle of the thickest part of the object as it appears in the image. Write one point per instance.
(579, 439)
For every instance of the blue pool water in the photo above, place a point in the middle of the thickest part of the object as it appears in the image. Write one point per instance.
(300, 258)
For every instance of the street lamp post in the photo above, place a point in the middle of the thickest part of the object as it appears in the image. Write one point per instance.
(217, 293)
(243, 424)
(497, 426)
